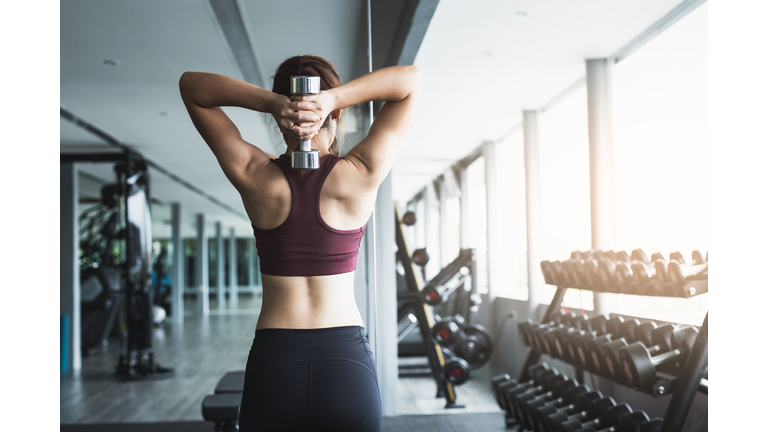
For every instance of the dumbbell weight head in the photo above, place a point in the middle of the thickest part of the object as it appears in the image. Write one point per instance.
(642, 333)
(597, 408)
(456, 370)
(420, 257)
(541, 383)
(633, 421)
(445, 332)
(527, 409)
(547, 391)
(608, 361)
(536, 372)
(568, 405)
(495, 381)
(409, 218)
(434, 294)
(583, 402)
(640, 365)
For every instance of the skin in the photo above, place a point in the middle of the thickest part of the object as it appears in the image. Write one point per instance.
(348, 195)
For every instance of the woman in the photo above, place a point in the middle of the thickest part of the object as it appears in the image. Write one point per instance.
(310, 366)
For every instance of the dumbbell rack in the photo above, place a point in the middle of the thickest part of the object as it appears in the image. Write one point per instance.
(423, 314)
(683, 388)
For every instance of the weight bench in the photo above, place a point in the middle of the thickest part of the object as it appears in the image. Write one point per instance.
(223, 407)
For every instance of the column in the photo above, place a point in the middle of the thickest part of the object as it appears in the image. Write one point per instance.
(385, 331)
(177, 269)
(233, 292)
(491, 219)
(69, 272)
(221, 290)
(464, 208)
(445, 259)
(601, 172)
(201, 267)
(533, 212)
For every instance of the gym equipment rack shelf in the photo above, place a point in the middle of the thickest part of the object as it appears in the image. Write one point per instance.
(682, 388)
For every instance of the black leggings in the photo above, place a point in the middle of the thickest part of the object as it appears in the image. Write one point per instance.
(310, 380)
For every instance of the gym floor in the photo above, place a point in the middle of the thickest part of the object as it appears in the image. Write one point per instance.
(201, 352)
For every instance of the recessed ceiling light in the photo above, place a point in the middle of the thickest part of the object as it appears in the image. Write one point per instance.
(524, 13)
(163, 114)
(488, 53)
(111, 62)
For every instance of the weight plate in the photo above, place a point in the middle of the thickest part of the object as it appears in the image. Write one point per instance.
(478, 347)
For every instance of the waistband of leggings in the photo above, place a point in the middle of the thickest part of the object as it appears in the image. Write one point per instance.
(309, 334)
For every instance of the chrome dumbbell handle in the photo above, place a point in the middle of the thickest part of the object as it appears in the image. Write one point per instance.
(305, 157)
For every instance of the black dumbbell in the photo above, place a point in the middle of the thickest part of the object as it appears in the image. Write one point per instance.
(572, 341)
(567, 403)
(557, 398)
(612, 360)
(496, 381)
(644, 274)
(434, 294)
(511, 386)
(456, 370)
(548, 390)
(541, 383)
(606, 270)
(583, 402)
(409, 218)
(640, 364)
(446, 331)
(619, 328)
(544, 337)
(680, 273)
(420, 257)
(611, 417)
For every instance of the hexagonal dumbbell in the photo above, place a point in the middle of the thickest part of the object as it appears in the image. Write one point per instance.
(611, 359)
(671, 348)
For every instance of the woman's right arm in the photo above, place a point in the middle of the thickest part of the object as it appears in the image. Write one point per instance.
(399, 88)
(204, 94)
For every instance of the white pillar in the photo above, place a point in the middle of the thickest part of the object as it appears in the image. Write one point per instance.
(177, 269)
(464, 208)
(221, 290)
(69, 270)
(431, 241)
(491, 219)
(201, 267)
(385, 331)
(601, 163)
(233, 292)
(533, 212)
(445, 259)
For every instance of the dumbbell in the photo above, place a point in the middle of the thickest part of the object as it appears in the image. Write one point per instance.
(553, 388)
(640, 364)
(561, 339)
(606, 269)
(305, 157)
(525, 328)
(600, 415)
(679, 273)
(409, 218)
(456, 370)
(541, 382)
(611, 350)
(611, 416)
(557, 398)
(549, 419)
(543, 335)
(501, 388)
(553, 272)
(420, 257)
(619, 328)
(644, 274)
(496, 381)
(566, 402)
(576, 342)
(434, 294)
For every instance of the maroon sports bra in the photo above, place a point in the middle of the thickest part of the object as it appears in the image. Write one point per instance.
(304, 245)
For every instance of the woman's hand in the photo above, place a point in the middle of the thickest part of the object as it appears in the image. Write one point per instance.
(296, 118)
(323, 104)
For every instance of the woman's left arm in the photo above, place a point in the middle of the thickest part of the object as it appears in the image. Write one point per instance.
(204, 94)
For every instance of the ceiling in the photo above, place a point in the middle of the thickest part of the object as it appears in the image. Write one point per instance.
(483, 62)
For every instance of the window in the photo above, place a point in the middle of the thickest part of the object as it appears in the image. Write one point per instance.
(660, 138)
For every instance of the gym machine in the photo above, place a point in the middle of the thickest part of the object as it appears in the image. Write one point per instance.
(651, 357)
(447, 372)
(131, 225)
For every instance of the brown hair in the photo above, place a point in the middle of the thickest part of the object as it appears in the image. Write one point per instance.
(312, 66)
